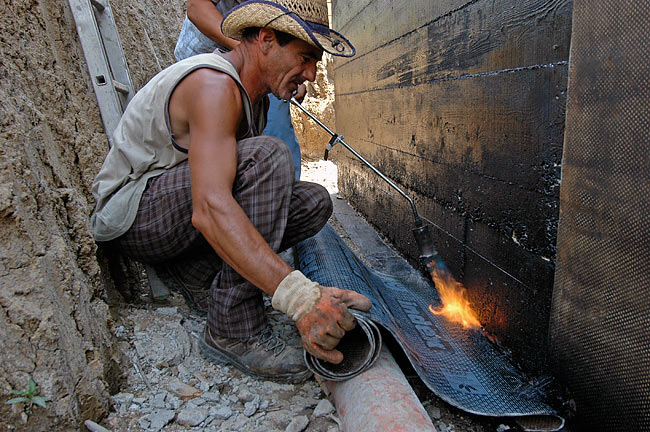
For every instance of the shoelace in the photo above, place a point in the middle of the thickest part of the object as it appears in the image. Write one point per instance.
(272, 342)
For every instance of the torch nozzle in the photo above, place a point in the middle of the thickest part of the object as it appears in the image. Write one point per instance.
(428, 254)
(424, 240)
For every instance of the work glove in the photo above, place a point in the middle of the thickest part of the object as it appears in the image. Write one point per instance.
(320, 312)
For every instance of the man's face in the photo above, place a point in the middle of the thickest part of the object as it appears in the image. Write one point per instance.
(291, 65)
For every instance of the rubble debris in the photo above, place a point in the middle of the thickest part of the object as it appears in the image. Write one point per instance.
(176, 389)
(191, 416)
(156, 420)
(298, 424)
(323, 408)
(182, 390)
(94, 427)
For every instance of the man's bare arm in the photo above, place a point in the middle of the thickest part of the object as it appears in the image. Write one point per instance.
(207, 19)
(214, 109)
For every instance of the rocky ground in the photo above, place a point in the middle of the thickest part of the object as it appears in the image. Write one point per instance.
(170, 387)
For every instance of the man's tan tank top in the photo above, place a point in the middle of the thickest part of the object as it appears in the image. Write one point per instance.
(143, 145)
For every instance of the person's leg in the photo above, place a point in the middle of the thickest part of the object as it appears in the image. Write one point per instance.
(162, 235)
(284, 212)
(264, 187)
(279, 125)
(236, 330)
(309, 210)
(162, 229)
(162, 232)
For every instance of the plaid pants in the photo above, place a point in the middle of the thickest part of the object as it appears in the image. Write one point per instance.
(283, 210)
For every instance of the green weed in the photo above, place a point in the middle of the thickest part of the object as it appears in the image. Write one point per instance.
(29, 396)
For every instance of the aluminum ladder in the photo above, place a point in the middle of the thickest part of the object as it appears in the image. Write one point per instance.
(109, 74)
(106, 63)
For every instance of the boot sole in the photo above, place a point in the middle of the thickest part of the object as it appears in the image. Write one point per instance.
(190, 301)
(177, 285)
(221, 358)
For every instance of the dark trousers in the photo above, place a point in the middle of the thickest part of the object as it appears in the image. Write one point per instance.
(283, 210)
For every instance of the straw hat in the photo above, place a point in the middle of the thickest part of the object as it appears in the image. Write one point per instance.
(304, 19)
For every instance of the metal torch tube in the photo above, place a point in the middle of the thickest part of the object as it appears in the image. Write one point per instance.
(416, 216)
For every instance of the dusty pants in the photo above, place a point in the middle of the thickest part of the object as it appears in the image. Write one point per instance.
(283, 210)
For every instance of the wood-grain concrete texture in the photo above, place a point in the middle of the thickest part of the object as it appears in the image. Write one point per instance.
(462, 103)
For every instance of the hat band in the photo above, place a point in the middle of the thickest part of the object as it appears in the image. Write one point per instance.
(289, 13)
(324, 30)
(313, 27)
(319, 28)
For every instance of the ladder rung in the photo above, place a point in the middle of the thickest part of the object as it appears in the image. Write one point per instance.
(105, 58)
(98, 4)
(122, 88)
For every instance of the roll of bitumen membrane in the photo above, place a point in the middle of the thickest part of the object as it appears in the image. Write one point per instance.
(460, 366)
(360, 348)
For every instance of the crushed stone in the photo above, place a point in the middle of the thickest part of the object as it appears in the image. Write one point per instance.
(170, 387)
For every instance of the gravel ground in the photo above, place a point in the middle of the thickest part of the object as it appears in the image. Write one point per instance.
(170, 387)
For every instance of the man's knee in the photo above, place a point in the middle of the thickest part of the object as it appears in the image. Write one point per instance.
(312, 202)
(268, 150)
(324, 201)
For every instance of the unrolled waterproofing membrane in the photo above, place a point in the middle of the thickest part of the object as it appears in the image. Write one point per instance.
(458, 365)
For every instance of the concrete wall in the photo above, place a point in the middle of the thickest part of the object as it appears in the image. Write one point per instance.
(462, 103)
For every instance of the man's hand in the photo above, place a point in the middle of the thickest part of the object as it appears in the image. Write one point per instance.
(320, 312)
(323, 327)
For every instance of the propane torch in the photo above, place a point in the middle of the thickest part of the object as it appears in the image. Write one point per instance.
(428, 255)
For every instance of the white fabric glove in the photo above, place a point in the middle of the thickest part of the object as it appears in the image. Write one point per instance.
(296, 295)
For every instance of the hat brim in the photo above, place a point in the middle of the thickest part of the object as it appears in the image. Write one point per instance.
(260, 13)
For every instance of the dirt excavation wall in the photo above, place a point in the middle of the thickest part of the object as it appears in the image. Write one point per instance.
(319, 101)
(462, 103)
(54, 321)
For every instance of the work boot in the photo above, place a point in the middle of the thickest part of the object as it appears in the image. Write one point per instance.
(197, 297)
(264, 356)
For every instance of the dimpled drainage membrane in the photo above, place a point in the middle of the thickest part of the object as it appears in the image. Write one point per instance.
(600, 316)
(459, 366)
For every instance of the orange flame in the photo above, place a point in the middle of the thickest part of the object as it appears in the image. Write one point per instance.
(455, 305)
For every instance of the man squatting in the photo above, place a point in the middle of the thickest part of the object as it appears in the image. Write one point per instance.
(189, 184)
